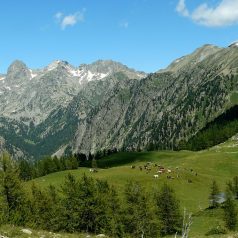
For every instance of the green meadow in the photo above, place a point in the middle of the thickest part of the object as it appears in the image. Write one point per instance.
(192, 174)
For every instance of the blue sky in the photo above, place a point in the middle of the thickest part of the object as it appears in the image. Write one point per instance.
(143, 34)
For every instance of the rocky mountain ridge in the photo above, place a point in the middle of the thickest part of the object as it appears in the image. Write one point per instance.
(106, 105)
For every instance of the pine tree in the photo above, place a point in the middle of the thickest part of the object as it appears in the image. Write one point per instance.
(25, 170)
(70, 214)
(11, 192)
(214, 195)
(42, 208)
(168, 211)
(139, 220)
(94, 163)
(230, 212)
(235, 186)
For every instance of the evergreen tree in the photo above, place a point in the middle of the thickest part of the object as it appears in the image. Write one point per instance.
(94, 163)
(235, 186)
(139, 220)
(70, 204)
(230, 212)
(25, 170)
(11, 192)
(168, 211)
(214, 195)
(41, 209)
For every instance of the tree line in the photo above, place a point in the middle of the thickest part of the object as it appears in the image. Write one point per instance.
(33, 169)
(87, 205)
(214, 133)
(229, 205)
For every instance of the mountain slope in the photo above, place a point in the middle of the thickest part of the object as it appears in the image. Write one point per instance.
(105, 105)
(167, 106)
(33, 102)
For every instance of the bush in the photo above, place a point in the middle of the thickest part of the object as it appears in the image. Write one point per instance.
(219, 230)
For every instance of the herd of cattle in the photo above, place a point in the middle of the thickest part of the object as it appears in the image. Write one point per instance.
(160, 170)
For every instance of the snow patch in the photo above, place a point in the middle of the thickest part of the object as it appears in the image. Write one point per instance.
(53, 65)
(85, 75)
(33, 75)
(235, 44)
(8, 88)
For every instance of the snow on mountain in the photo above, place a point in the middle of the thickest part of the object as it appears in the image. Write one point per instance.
(33, 75)
(86, 75)
(53, 65)
(234, 44)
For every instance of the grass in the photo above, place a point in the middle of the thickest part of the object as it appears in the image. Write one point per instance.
(220, 163)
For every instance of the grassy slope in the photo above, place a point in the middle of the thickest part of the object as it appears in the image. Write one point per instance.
(219, 163)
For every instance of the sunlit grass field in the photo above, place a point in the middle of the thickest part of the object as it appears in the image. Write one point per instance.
(195, 170)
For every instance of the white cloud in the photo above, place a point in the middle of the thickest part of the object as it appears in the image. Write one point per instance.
(224, 14)
(181, 8)
(71, 19)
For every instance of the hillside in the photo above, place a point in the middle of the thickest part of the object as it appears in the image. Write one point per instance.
(219, 163)
(215, 132)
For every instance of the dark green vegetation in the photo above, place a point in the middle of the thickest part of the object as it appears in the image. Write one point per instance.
(112, 205)
(33, 169)
(87, 205)
(215, 132)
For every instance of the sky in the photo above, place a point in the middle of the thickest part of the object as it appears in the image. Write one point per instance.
(144, 34)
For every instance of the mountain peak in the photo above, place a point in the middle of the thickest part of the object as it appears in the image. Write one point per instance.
(234, 44)
(56, 63)
(16, 65)
(18, 71)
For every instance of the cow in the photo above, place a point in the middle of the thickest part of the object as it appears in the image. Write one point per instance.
(93, 170)
(156, 176)
(133, 167)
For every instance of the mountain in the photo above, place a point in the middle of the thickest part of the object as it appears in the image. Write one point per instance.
(62, 109)
(29, 98)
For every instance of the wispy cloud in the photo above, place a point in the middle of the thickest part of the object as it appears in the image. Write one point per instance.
(182, 9)
(224, 14)
(71, 19)
(124, 24)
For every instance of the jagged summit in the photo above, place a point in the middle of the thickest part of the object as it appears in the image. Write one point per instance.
(31, 95)
(18, 71)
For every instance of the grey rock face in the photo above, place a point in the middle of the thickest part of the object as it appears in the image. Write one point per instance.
(106, 105)
(29, 98)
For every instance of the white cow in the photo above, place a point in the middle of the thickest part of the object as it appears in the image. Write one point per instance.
(156, 176)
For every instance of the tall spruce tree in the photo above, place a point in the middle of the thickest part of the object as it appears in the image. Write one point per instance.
(235, 186)
(168, 211)
(214, 195)
(230, 211)
(11, 191)
(139, 219)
